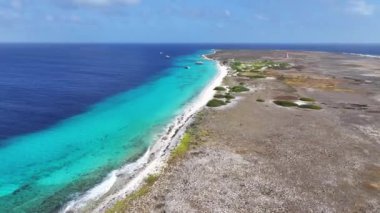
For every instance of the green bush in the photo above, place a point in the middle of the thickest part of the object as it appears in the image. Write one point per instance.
(228, 96)
(282, 65)
(122, 205)
(285, 103)
(236, 65)
(219, 96)
(258, 76)
(260, 100)
(307, 99)
(151, 179)
(239, 89)
(220, 89)
(215, 103)
(182, 147)
(310, 106)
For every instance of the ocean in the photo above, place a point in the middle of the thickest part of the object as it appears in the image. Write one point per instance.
(72, 113)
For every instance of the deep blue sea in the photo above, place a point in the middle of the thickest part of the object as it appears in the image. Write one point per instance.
(71, 113)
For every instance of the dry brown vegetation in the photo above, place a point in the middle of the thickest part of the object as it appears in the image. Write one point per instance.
(304, 80)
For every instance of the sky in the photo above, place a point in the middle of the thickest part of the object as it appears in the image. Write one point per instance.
(190, 21)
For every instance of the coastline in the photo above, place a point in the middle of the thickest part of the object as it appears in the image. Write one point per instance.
(363, 55)
(257, 156)
(101, 196)
(311, 79)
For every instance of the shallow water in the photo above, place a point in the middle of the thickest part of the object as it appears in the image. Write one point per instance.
(40, 171)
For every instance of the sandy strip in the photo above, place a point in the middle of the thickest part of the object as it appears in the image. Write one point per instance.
(151, 162)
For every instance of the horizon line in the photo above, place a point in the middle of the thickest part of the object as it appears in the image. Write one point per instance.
(199, 43)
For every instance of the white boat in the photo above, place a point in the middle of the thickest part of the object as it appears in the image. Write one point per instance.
(199, 62)
(167, 56)
(161, 53)
(187, 67)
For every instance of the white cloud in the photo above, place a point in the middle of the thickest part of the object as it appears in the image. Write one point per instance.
(63, 18)
(261, 17)
(73, 18)
(361, 7)
(227, 13)
(8, 14)
(220, 25)
(49, 18)
(104, 3)
(16, 4)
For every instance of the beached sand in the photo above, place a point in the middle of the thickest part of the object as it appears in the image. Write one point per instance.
(252, 156)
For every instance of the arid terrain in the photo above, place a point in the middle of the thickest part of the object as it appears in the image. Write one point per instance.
(253, 155)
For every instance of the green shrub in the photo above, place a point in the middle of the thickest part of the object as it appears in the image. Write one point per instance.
(219, 96)
(270, 64)
(252, 74)
(151, 179)
(236, 65)
(182, 147)
(310, 106)
(215, 103)
(282, 65)
(260, 100)
(258, 76)
(228, 96)
(307, 99)
(122, 205)
(220, 89)
(239, 89)
(285, 103)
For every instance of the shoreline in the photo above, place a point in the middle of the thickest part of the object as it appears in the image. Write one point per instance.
(259, 156)
(363, 55)
(101, 197)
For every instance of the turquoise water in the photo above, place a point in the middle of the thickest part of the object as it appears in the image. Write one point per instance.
(43, 170)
